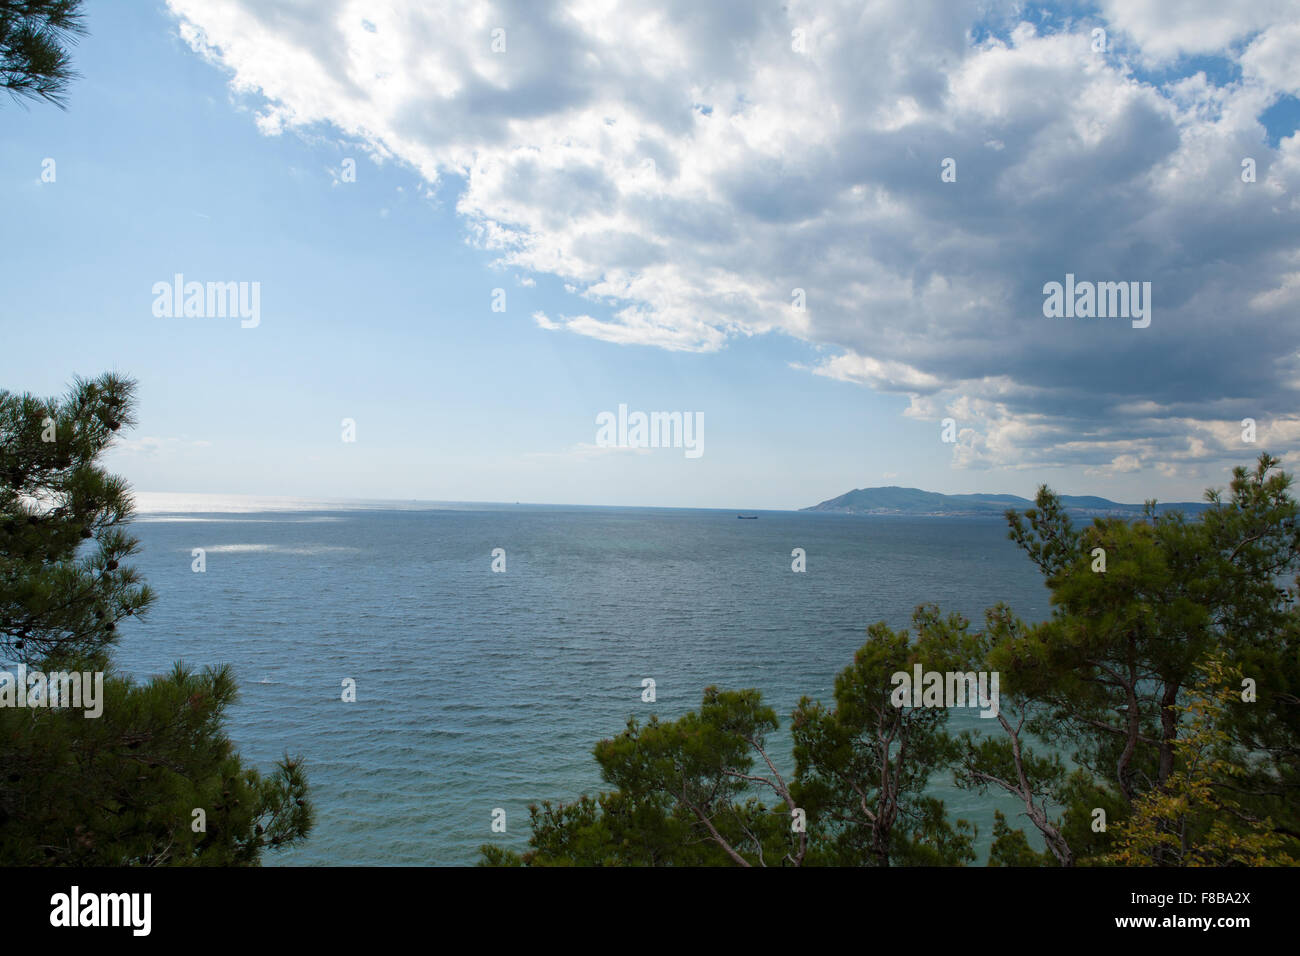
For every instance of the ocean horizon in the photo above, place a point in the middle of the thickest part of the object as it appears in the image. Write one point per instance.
(479, 690)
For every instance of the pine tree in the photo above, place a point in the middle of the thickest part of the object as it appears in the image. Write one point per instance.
(862, 766)
(152, 779)
(34, 37)
(1197, 818)
(64, 584)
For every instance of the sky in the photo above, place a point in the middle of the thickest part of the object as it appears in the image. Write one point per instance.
(822, 229)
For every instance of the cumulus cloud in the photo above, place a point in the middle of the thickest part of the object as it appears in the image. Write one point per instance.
(1163, 31)
(695, 172)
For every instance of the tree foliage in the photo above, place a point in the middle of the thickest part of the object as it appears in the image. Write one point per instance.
(122, 787)
(34, 40)
(1199, 818)
(64, 582)
(862, 766)
(1108, 678)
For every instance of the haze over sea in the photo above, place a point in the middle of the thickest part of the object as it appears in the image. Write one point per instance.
(479, 690)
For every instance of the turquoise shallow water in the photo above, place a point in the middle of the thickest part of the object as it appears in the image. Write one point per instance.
(479, 690)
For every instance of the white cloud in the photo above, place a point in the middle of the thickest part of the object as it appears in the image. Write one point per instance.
(1163, 30)
(683, 170)
(1273, 57)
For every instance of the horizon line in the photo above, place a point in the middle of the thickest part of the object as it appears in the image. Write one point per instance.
(180, 502)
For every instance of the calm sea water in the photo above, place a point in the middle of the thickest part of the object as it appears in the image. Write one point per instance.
(479, 690)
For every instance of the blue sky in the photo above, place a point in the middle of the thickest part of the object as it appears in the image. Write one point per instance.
(201, 141)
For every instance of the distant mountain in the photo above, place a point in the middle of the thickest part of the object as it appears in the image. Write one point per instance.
(893, 500)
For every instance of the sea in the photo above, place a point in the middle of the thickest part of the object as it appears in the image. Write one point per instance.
(480, 691)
